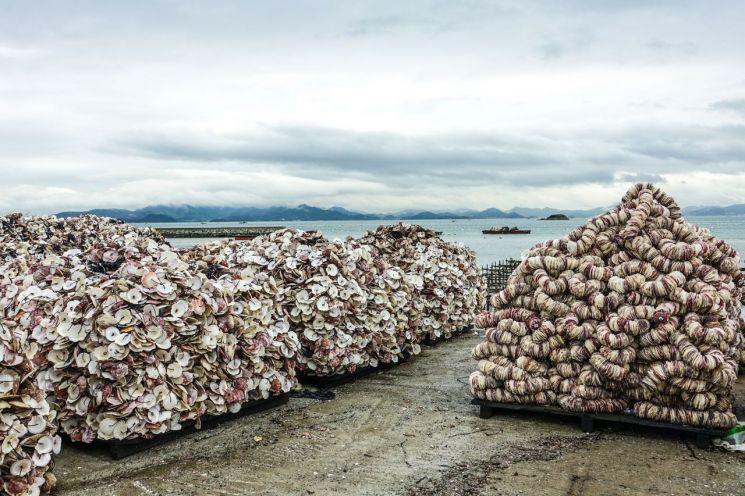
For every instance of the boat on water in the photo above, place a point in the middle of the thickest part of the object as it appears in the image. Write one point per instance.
(505, 230)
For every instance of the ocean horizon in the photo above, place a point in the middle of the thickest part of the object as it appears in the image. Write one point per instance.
(488, 248)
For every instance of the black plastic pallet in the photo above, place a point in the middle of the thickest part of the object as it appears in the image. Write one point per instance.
(703, 435)
(329, 381)
(119, 449)
(428, 341)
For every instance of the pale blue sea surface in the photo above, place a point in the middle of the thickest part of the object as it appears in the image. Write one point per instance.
(488, 248)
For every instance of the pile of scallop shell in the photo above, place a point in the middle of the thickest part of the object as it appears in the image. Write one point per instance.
(348, 310)
(636, 309)
(37, 236)
(139, 342)
(111, 334)
(356, 303)
(28, 424)
(259, 351)
(124, 339)
(449, 288)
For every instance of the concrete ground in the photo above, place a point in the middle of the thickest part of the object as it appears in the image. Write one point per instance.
(408, 431)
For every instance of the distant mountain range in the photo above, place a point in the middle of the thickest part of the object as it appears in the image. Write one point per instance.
(738, 209)
(189, 213)
(545, 212)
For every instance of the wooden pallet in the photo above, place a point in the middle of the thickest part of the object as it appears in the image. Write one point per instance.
(703, 435)
(119, 449)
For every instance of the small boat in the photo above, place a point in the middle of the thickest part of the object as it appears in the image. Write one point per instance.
(505, 230)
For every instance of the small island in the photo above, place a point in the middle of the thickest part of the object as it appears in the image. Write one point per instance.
(555, 217)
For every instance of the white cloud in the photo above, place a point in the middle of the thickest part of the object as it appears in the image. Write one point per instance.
(371, 105)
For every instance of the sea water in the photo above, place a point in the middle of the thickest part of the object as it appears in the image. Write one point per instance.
(488, 248)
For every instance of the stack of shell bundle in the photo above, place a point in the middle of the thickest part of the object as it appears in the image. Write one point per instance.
(449, 289)
(636, 310)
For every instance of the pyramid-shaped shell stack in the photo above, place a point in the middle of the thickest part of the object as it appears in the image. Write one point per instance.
(636, 309)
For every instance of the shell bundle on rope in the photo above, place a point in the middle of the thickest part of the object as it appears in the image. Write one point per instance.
(742, 330)
(391, 310)
(449, 289)
(742, 318)
(28, 424)
(635, 309)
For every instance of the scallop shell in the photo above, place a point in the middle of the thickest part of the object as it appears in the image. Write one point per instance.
(21, 468)
(179, 309)
(45, 444)
(133, 296)
(150, 280)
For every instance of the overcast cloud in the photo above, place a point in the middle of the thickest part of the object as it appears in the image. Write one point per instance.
(377, 106)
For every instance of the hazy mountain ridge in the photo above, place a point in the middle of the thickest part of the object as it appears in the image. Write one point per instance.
(736, 209)
(546, 211)
(190, 213)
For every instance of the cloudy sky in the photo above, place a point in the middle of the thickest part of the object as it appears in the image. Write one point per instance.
(376, 105)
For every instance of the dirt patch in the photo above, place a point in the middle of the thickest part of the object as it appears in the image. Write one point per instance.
(465, 479)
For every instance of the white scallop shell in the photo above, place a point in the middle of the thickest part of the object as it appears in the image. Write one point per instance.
(21, 467)
(179, 309)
